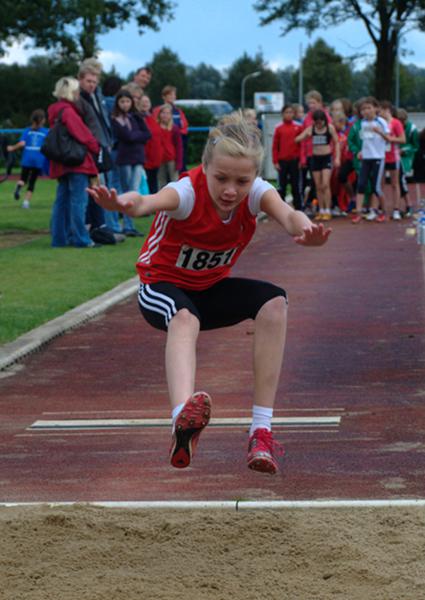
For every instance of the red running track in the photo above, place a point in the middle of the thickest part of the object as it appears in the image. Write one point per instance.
(355, 353)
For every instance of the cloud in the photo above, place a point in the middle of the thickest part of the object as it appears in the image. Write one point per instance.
(122, 63)
(20, 53)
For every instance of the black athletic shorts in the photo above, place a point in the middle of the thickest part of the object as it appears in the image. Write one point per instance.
(320, 162)
(226, 303)
(30, 174)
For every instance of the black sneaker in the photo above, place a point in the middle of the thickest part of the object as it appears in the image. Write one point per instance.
(133, 233)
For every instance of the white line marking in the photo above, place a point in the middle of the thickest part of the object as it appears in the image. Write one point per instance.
(233, 504)
(37, 433)
(153, 410)
(223, 422)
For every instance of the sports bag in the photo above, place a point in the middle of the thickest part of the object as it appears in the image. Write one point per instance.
(61, 147)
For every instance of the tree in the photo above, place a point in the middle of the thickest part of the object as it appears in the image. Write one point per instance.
(361, 84)
(385, 23)
(24, 88)
(204, 82)
(72, 27)
(268, 81)
(288, 81)
(324, 70)
(167, 70)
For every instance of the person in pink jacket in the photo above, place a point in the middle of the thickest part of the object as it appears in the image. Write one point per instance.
(68, 223)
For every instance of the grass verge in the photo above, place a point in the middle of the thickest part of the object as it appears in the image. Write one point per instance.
(39, 283)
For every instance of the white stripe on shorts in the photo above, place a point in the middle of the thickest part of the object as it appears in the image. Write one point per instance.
(156, 302)
(380, 177)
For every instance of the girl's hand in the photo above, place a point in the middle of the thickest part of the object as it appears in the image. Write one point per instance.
(337, 163)
(109, 198)
(313, 235)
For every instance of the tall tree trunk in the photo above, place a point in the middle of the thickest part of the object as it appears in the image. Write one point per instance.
(386, 51)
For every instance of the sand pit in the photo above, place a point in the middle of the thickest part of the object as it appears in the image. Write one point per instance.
(90, 553)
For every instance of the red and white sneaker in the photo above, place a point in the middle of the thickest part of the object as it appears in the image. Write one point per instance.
(262, 452)
(194, 416)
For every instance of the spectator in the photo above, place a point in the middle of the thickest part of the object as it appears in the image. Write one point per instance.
(314, 102)
(370, 131)
(392, 156)
(131, 133)
(250, 115)
(169, 96)
(286, 155)
(323, 137)
(111, 86)
(142, 77)
(153, 148)
(419, 160)
(68, 224)
(33, 161)
(298, 113)
(342, 177)
(407, 155)
(348, 109)
(172, 147)
(96, 117)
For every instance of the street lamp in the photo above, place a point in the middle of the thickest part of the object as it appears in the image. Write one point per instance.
(244, 80)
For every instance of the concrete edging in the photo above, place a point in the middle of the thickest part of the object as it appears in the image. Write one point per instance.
(36, 338)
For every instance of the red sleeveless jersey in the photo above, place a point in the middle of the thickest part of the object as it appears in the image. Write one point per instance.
(195, 253)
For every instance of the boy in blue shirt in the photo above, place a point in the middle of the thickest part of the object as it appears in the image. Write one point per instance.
(33, 161)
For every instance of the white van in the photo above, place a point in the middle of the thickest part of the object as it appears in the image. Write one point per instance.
(217, 108)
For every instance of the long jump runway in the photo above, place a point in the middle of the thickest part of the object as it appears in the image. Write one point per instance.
(87, 417)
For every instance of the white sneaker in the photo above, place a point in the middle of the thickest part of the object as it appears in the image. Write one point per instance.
(396, 215)
(25, 204)
(371, 215)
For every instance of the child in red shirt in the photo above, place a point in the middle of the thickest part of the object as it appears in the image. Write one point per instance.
(286, 155)
(172, 147)
(392, 156)
(203, 223)
(153, 148)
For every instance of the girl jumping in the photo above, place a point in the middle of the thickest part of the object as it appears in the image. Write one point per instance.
(203, 223)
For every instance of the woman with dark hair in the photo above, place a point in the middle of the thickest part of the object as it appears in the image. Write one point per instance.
(322, 135)
(131, 133)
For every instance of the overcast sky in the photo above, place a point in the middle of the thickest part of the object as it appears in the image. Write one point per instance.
(217, 32)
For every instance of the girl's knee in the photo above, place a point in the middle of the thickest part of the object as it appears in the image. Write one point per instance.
(184, 319)
(275, 309)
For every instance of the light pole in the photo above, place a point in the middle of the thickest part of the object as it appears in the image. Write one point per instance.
(244, 80)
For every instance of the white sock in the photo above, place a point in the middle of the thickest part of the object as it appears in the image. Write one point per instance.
(176, 411)
(261, 418)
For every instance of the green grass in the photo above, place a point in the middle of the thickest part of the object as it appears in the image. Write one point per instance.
(39, 283)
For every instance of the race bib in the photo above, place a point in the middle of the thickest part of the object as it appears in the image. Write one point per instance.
(197, 259)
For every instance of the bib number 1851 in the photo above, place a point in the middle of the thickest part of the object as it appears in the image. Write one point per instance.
(197, 259)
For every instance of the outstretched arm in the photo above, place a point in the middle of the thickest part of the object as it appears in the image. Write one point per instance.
(133, 203)
(295, 222)
(16, 146)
